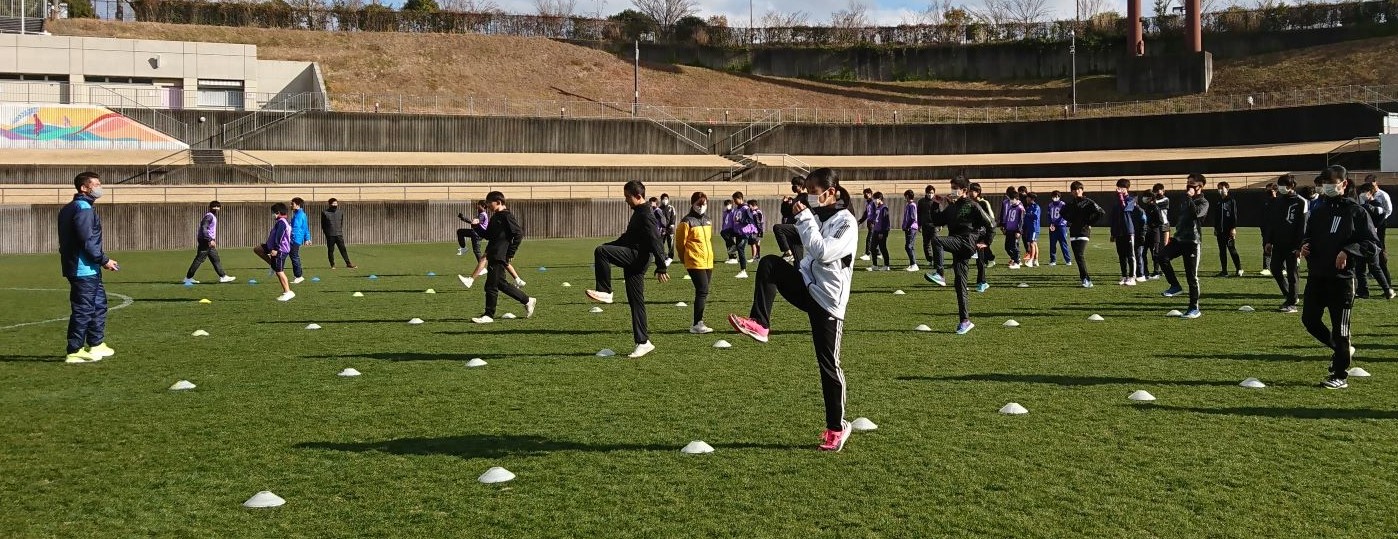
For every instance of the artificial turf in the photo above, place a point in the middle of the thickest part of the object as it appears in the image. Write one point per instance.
(105, 450)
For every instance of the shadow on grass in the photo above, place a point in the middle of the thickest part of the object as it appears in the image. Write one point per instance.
(1281, 412)
(364, 321)
(496, 446)
(34, 359)
(422, 356)
(1062, 380)
(1320, 356)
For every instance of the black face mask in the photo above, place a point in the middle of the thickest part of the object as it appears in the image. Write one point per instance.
(804, 199)
(826, 212)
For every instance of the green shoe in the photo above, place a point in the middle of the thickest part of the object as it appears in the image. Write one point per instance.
(101, 351)
(81, 356)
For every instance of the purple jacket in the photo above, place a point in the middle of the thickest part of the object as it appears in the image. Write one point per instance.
(729, 218)
(279, 239)
(880, 218)
(1014, 218)
(910, 217)
(208, 228)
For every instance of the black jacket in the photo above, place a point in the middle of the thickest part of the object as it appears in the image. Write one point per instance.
(1189, 220)
(1081, 213)
(1157, 213)
(1285, 223)
(926, 207)
(787, 216)
(964, 218)
(503, 237)
(332, 222)
(1226, 218)
(1339, 224)
(642, 235)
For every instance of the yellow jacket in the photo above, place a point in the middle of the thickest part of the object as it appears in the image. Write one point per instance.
(694, 236)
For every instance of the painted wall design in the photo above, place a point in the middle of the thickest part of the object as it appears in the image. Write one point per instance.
(77, 127)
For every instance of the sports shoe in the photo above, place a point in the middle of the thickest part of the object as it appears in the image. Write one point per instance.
(1068, 263)
(982, 287)
(1121, 282)
(81, 356)
(1221, 274)
(1286, 309)
(600, 297)
(1390, 294)
(864, 258)
(1265, 273)
(642, 349)
(519, 282)
(885, 268)
(700, 329)
(732, 261)
(669, 261)
(912, 268)
(1334, 383)
(103, 351)
(1240, 273)
(834, 440)
(789, 258)
(1193, 313)
(990, 263)
(188, 281)
(975, 256)
(1087, 283)
(461, 251)
(1130, 281)
(466, 281)
(1172, 291)
(1014, 265)
(749, 327)
(482, 319)
(227, 279)
(286, 296)
(935, 279)
(298, 280)
(741, 275)
(529, 307)
(964, 327)
(351, 266)
(1053, 263)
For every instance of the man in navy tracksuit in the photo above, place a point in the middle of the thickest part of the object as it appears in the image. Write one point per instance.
(1124, 231)
(1339, 237)
(80, 248)
(1286, 225)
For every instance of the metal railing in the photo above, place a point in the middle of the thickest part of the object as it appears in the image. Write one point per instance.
(264, 170)
(685, 132)
(756, 129)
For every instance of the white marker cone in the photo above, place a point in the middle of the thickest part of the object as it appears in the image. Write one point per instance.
(509, 316)
(681, 304)
(606, 352)
(496, 475)
(1246, 308)
(1141, 395)
(357, 294)
(863, 425)
(1174, 313)
(1011, 324)
(264, 500)
(922, 327)
(415, 321)
(205, 301)
(1253, 383)
(182, 385)
(595, 310)
(1023, 285)
(313, 326)
(697, 447)
(200, 333)
(686, 277)
(430, 291)
(1014, 409)
(723, 344)
(1358, 372)
(1096, 318)
(567, 285)
(476, 362)
(899, 293)
(348, 372)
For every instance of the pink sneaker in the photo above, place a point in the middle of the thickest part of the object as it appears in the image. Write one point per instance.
(834, 440)
(749, 327)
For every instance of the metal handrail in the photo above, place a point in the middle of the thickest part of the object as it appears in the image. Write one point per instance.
(666, 118)
(160, 163)
(770, 122)
(256, 162)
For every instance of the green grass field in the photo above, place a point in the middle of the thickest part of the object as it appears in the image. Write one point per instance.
(105, 450)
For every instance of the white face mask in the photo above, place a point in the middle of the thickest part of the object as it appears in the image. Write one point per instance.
(701, 209)
(1283, 190)
(1330, 189)
(95, 193)
(664, 202)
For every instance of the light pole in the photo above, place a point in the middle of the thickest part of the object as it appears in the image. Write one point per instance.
(636, 82)
(1073, 54)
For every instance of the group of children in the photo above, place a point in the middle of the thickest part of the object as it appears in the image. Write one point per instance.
(290, 231)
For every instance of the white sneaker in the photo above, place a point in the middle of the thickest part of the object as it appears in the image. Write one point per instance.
(864, 258)
(1014, 265)
(1240, 273)
(669, 261)
(731, 261)
(529, 307)
(752, 260)
(642, 349)
(461, 251)
(189, 281)
(741, 275)
(227, 279)
(482, 319)
(870, 268)
(1130, 281)
(600, 297)
(700, 329)
(298, 280)
(1051, 264)
(286, 297)
(466, 281)
(1121, 282)
(1266, 273)
(913, 268)
(519, 282)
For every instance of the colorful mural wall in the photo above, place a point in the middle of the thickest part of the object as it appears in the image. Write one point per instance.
(77, 127)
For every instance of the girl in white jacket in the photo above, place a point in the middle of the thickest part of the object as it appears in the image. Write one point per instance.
(818, 285)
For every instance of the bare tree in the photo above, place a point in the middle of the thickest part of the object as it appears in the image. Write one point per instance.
(666, 12)
(471, 6)
(935, 13)
(1084, 10)
(855, 15)
(555, 8)
(1027, 11)
(777, 19)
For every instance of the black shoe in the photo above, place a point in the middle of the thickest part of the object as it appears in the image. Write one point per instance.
(1222, 274)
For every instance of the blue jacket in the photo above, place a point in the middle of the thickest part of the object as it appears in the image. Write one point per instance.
(80, 238)
(1032, 216)
(300, 229)
(1123, 217)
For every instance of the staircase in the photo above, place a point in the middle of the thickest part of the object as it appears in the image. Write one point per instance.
(271, 114)
(159, 170)
(205, 156)
(681, 130)
(742, 164)
(755, 130)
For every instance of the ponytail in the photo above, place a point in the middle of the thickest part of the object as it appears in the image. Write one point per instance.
(844, 197)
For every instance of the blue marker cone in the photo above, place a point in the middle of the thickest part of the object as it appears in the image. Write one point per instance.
(252, 281)
(373, 277)
(541, 268)
(188, 285)
(315, 279)
(431, 274)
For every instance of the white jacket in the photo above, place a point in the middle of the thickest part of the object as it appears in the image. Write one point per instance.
(828, 265)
